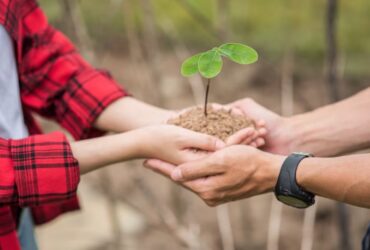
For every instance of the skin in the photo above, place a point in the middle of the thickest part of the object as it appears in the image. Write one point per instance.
(166, 142)
(146, 136)
(238, 172)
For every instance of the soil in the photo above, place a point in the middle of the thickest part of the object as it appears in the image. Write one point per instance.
(218, 123)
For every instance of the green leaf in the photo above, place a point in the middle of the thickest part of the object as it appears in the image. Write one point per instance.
(210, 63)
(239, 53)
(190, 65)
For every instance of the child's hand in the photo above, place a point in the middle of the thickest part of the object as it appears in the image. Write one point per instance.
(252, 136)
(174, 144)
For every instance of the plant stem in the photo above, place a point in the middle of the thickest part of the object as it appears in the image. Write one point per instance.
(206, 99)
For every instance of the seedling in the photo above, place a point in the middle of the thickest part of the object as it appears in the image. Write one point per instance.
(209, 63)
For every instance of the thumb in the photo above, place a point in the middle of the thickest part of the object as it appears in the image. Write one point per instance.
(195, 170)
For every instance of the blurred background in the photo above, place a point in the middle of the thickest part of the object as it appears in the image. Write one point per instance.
(311, 53)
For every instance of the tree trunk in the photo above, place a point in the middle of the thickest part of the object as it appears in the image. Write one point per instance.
(152, 48)
(222, 20)
(287, 109)
(332, 62)
(72, 12)
(333, 87)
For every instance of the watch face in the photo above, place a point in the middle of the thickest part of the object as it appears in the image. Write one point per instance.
(291, 201)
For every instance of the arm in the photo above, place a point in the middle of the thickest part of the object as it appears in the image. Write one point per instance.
(128, 113)
(345, 179)
(58, 83)
(239, 172)
(46, 168)
(334, 129)
(165, 142)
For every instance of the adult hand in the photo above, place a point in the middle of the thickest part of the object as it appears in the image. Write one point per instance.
(233, 173)
(278, 137)
(174, 144)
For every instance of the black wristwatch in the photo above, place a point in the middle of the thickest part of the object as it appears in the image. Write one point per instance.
(287, 190)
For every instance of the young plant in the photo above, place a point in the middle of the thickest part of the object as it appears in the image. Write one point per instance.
(209, 63)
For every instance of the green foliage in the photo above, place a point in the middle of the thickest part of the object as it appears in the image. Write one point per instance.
(190, 65)
(209, 63)
(239, 53)
(272, 25)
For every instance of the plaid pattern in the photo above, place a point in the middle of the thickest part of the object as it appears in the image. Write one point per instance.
(58, 84)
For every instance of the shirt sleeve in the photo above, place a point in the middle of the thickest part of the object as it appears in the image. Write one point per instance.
(37, 170)
(57, 83)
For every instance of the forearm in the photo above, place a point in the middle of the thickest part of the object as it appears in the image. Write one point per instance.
(128, 113)
(334, 129)
(95, 153)
(345, 179)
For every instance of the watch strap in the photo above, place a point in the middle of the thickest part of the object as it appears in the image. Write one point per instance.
(287, 183)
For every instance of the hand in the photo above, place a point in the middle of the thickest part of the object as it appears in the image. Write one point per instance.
(229, 174)
(174, 144)
(278, 137)
(252, 136)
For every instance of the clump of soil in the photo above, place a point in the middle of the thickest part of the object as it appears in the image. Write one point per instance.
(218, 123)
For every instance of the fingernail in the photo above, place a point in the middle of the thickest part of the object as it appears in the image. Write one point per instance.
(176, 175)
(220, 144)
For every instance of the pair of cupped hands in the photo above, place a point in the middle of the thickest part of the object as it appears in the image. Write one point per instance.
(220, 171)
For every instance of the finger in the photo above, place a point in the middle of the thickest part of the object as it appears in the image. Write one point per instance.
(261, 123)
(217, 106)
(240, 136)
(260, 142)
(262, 131)
(203, 142)
(195, 186)
(236, 111)
(255, 135)
(196, 170)
(166, 169)
(160, 167)
(249, 139)
(214, 189)
(194, 155)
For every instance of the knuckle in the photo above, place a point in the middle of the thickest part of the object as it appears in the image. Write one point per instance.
(211, 203)
(223, 159)
(211, 142)
(248, 100)
(207, 195)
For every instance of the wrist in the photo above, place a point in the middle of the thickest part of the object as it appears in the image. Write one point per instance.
(303, 172)
(307, 134)
(273, 164)
(129, 145)
(143, 142)
(282, 136)
(295, 139)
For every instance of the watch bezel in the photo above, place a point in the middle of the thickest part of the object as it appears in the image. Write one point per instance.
(292, 204)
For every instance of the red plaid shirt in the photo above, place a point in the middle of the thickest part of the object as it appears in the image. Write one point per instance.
(40, 171)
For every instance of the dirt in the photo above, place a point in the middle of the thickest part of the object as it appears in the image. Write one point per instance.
(219, 123)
